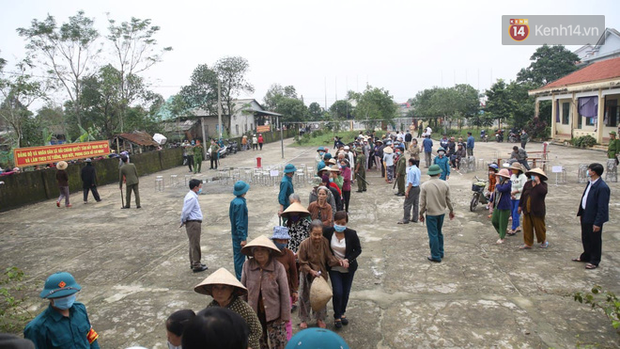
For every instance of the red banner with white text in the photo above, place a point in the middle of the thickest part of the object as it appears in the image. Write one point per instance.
(62, 152)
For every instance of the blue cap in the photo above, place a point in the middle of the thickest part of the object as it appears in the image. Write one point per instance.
(316, 338)
(280, 232)
(321, 148)
(241, 188)
(60, 285)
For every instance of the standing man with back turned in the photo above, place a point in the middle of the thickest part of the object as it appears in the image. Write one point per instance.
(191, 217)
(128, 170)
(593, 212)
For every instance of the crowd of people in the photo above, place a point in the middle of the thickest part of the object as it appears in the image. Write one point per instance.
(273, 277)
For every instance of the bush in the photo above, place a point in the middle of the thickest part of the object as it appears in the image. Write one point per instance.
(605, 300)
(13, 316)
(538, 129)
(583, 141)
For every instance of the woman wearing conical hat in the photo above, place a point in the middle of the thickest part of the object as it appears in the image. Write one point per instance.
(226, 291)
(297, 219)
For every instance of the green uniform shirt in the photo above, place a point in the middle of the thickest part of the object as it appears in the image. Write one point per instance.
(214, 149)
(401, 166)
(52, 330)
(613, 149)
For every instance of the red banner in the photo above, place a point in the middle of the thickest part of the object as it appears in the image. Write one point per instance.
(54, 153)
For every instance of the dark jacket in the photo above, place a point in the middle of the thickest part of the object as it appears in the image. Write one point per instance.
(537, 195)
(89, 177)
(501, 197)
(597, 204)
(62, 178)
(353, 249)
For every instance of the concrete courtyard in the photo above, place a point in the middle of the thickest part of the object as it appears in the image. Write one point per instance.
(133, 264)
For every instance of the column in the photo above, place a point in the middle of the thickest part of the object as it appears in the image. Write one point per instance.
(554, 125)
(600, 116)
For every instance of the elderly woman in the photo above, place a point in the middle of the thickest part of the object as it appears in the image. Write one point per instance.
(226, 291)
(501, 204)
(518, 180)
(532, 207)
(345, 245)
(345, 170)
(414, 150)
(314, 256)
(320, 209)
(268, 293)
(297, 219)
(281, 238)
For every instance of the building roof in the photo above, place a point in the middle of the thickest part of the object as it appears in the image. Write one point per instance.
(598, 71)
(139, 137)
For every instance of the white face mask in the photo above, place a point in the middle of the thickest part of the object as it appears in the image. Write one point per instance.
(170, 346)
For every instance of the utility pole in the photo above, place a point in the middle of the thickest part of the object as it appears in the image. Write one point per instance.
(281, 136)
(219, 106)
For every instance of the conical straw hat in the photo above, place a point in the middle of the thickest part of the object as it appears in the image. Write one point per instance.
(296, 207)
(537, 171)
(261, 241)
(220, 277)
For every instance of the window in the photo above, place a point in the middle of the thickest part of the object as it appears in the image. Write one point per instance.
(590, 121)
(236, 130)
(565, 112)
(612, 113)
(579, 121)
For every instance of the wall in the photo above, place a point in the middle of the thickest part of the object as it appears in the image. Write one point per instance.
(33, 186)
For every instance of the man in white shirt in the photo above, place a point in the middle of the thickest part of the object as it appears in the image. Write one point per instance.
(191, 217)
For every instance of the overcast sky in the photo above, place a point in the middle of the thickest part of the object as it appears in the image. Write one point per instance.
(323, 48)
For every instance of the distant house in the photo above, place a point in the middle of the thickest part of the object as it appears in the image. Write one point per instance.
(585, 102)
(136, 142)
(607, 47)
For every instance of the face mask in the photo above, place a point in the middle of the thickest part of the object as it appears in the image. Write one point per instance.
(533, 178)
(339, 228)
(199, 191)
(170, 346)
(331, 180)
(343, 166)
(321, 153)
(441, 153)
(294, 218)
(280, 246)
(65, 302)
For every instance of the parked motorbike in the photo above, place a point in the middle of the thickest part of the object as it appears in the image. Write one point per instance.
(499, 136)
(234, 147)
(484, 136)
(477, 187)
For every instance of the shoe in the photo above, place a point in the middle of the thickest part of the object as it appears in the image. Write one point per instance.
(202, 267)
(344, 320)
(399, 194)
(69, 206)
(403, 222)
(85, 202)
(99, 200)
(433, 260)
(364, 190)
(57, 203)
(138, 206)
(544, 244)
(124, 207)
(500, 241)
(359, 191)
(338, 323)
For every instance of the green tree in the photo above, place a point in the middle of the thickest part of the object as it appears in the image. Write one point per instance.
(498, 104)
(202, 91)
(51, 118)
(341, 109)
(232, 72)
(549, 64)
(66, 52)
(136, 50)
(277, 92)
(315, 112)
(375, 105)
(292, 110)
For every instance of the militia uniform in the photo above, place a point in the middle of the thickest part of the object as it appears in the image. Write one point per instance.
(214, 154)
(197, 158)
(360, 170)
(129, 172)
(401, 173)
(51, 329)
(614, 147)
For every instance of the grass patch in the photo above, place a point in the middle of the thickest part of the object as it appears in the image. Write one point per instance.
(324, 138)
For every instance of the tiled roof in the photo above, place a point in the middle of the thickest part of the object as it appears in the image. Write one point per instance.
(603, 70)
(140, 138)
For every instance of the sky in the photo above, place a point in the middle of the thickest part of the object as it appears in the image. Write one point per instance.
(322, 48)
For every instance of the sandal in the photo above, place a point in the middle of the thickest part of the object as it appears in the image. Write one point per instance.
(544, 244)
(510, 232)
(500, 241)
(344, 320)
(525, 247)
(321, 323)
(303, 325)
(338, 323)
(591, 266)
(578, 260)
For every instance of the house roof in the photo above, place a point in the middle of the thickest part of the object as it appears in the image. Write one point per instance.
(139, 137)
(598, 71)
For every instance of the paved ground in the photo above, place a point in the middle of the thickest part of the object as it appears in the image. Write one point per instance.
(133, 264)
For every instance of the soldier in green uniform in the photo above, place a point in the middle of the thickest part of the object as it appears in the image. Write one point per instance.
(65, 323)
(360, 170)
(401, 170)
(198, 157)
(129, 172)
(614, 147)
(214, 154)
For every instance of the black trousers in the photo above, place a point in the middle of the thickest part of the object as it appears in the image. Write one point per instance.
(214, 161)
(592, 244)
(95, 193)
(190, 162)
(346, 195)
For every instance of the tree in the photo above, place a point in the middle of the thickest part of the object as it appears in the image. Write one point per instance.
(66, 51)
(315, 112)
(549, 64)
(136, 50)
(232, 71)
(292, 110)
(498, 101)
(202, 90)
(275, 93)
(18, 92)
(374, 105)
(341, 109)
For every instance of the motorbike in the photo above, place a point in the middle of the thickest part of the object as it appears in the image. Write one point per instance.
(499, 136)
(478, 196)
(484, 137)
(234, 147)
(514, 137)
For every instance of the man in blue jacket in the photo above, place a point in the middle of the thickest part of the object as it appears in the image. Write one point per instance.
(238, 214)
(593, 212)
(470, 144)
(427, 145)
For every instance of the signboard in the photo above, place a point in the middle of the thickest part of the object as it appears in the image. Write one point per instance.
(54, 153)
(264, 128)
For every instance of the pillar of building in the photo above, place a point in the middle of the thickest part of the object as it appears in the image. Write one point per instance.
(600, 116)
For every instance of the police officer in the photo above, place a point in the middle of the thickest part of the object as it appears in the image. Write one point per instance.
(197, 157)
(64, 324)
(401, 170)
(214, 154)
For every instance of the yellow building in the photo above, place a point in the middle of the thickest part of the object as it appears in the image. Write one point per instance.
(585, 102)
